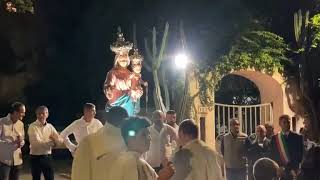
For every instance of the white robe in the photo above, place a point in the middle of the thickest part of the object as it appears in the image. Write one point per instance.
(130, 166)
(95, 154)
(197, 161)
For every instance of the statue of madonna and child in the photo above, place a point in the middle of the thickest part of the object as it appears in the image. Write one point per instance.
(123, 87)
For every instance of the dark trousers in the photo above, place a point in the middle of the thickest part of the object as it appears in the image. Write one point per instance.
(9, 172)
(309, 174)
(236, 174)
(42, 164)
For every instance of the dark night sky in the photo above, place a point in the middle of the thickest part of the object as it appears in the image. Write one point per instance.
(74, 36)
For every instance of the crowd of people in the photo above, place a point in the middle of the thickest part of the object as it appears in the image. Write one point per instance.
(135, 148)
(266, 155)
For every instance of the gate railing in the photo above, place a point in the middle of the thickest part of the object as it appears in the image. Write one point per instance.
(249, 116)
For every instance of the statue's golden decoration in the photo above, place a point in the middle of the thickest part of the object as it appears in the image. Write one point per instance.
(121, 46)
(122, 87)
(136, 58)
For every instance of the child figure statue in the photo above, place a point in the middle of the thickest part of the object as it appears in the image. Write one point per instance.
(136, 80)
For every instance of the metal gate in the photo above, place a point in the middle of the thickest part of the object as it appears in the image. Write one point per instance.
(249, 116)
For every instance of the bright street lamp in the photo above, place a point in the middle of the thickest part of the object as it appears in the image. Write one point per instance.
(181, 60)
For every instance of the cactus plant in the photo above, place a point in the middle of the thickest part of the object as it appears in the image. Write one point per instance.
(155, 58)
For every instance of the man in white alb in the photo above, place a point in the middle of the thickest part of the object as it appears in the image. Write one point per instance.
(96, 152)
(82, 127)
(43, 137)
(162, 136)
(195, 160)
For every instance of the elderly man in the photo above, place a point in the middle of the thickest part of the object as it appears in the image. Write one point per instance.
(43, 137)
(195, 160)
(82, 127)
(130, 165)
(96, 151)
(287, 149)
(233, 151)
(162, 136)
(11, 141)
(258, 148)
(270, 130)
(265, 169)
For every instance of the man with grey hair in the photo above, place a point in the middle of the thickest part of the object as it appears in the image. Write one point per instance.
(162, 136)
(258, 148)
(82, 127)
(43, 137)
(233, 151)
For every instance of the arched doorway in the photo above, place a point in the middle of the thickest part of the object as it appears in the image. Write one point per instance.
(272, 91)
(238, 97)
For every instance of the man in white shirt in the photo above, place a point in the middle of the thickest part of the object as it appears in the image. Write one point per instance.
(171, 118)
(82, 127)
(162, 136)
(43, 137)
(11, 141)
(92, 160)
(195, 160)
(130, 165)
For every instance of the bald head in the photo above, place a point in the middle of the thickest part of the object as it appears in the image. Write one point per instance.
(261, 128)
(265, 169)
(157, 116)
(261, 132)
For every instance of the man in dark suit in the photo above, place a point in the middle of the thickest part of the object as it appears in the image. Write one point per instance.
(257, 148)
(287, 149)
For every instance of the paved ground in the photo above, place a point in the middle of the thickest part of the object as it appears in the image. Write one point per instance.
(62, 169)
(57, 177)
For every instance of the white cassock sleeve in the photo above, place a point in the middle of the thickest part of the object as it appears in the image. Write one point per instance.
(81, 166)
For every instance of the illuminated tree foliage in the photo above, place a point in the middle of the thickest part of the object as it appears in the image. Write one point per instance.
(18, 6)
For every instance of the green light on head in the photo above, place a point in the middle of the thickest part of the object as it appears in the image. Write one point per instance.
(131, 133)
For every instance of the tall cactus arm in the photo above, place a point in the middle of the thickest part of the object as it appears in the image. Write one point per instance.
(163, 45)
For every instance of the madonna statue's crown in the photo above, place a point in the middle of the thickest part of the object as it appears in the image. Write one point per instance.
(121, 46)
